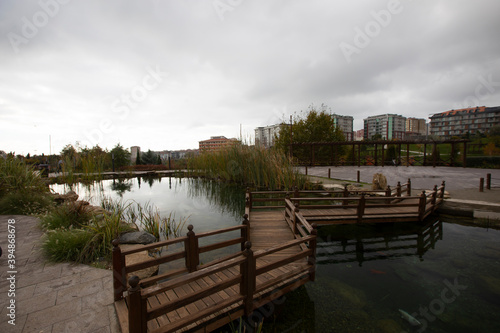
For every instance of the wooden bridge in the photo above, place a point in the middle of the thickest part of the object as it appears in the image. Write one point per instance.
(271, 253)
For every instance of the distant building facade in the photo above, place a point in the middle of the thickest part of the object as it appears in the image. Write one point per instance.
(345, 124)
(474, 120)
(134, 151)
(416, 126)
(389, 126)
(177, 154)
(359, 135)
(215, 143)
(265, 136)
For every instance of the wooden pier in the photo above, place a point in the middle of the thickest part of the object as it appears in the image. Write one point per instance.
(271, 253)
(269, 262)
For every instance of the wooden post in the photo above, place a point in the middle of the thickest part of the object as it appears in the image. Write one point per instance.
(361, 208)
(248, 198)
(345, 195)
(488, 181)
(296, 193)
(441, 195)
(119, 275)
(329, 173)
(306, 170)
(311, 260)
(421, 206)
(248, 278)
(399, 154)
(452, 153)
(434, 154)
(376, 157)
(137, 315)
(312, 156)
(398, 189)
(407, 155)
(294, 220)
(425, 153)
(383, 156)
(434, 196)
(388, 194)
(245, 232)
(353, 154)
(336, 155)
(408, 188)
(192, 250)
(481, 184)
(464, 156)
(358, 177)
(359, 155)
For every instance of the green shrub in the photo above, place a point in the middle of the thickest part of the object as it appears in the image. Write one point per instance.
(65, 216)
(65, 244)
(25, 203)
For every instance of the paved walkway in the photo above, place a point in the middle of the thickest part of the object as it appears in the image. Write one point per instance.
(421, 177)
(51, 298)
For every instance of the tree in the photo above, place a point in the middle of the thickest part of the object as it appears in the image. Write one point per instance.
(149, 157)
(121, 156)
(138, 159)
(315, 126)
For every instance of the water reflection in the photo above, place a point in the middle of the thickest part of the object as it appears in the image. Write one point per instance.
(352, 243)
(121, 186)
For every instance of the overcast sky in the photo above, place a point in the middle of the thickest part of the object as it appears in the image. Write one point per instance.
(167, 74)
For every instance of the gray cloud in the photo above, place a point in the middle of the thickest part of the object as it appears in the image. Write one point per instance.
(258, 64)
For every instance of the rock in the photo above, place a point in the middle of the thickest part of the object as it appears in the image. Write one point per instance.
(490, 284)
(389, 326)
(137, 237)
(350, 294)
(136, 258)
(70, 196)
(379, 182)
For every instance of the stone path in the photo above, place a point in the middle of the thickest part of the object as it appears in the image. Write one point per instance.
(51, 298)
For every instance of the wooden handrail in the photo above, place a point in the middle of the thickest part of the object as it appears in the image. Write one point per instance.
(153, 245)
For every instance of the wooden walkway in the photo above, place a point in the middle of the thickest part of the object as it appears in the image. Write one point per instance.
(276, 253)
(201, 298)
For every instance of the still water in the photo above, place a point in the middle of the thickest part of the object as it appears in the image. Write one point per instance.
(443, 274)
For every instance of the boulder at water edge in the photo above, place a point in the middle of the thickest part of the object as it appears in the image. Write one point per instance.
(137, 237)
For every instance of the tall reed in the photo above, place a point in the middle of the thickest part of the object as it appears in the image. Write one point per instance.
(249, 165)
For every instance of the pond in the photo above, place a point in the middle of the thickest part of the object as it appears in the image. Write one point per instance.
(444, 274)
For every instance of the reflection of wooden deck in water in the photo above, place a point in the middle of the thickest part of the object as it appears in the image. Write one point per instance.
(216, 293)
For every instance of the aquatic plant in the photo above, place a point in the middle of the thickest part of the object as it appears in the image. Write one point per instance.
(248, 165)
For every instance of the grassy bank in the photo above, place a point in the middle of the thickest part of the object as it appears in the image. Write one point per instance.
(249, 166)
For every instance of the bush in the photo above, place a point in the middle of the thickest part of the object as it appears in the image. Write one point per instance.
(491, 162)
(65, 216)
(65, 245)
(21, 203)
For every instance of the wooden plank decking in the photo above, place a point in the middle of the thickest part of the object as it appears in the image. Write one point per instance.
(278, 254)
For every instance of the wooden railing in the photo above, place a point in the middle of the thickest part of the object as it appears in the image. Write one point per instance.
(190, 252)
(360, 205)
(268, 199)
(251, 296)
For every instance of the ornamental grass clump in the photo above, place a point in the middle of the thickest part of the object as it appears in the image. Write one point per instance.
(22, 189)
(250, 166)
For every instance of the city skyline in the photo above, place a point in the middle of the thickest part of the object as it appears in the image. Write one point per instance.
(166, 75)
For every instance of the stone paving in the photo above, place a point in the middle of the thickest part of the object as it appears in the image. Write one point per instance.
(51, 298)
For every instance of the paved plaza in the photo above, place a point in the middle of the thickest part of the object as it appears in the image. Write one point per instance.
(51, 298)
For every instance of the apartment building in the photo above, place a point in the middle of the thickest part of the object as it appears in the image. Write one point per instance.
(345, 124)
(463, 121)
(416, 126)
(264, 136)
(388, 126)
(215, 143)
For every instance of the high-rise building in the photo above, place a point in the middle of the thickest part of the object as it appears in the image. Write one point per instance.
(416, 126)
(345, 124)
(463, 121)
(134, 151)
(264, 136)
(388, 126)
